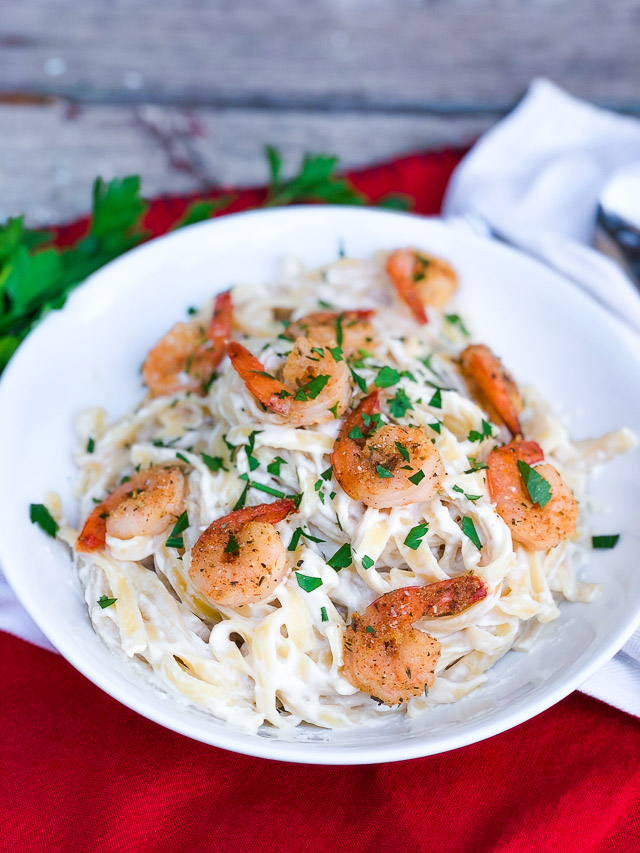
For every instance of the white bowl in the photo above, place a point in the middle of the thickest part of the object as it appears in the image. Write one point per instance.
(549, 334)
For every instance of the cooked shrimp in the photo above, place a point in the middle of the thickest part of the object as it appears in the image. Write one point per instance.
(537, 527)
(327, 328)
(316, 387)
(187, 356)
(240, 558)
(385, 656)
(421, 279)
(384, 465)
(143, 506)
(492, 386)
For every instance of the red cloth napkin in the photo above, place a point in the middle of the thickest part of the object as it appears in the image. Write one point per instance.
(82, 773)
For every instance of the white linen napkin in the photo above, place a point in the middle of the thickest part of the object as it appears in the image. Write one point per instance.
(534, 180)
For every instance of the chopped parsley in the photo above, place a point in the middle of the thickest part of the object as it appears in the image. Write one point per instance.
(213, 463)
(418, 477)
(539, 489)
(468, 497)
(91, 445)
(416, 535)
(359, 380)
(475, 465)
(456, 320)
(436, 427)
(105, 601)
(605, 541)
(469, 530)
(402, 450)
(327, 474)
(182, 458)
(40, 515)
(175, 540)
(342, 558)
(308, 584)
(355, 432)
(311, 390)
(232, 545)
(339, 334)
(242, 499)
(383, 472)
(436, 400)
(274, 466)
(334, 410)
(400, 404)
(336, 353)
(323, 614)
(474, 435)
(367, 562)
(387, 376)
(251, 484)
(372, 422)
(248, 449)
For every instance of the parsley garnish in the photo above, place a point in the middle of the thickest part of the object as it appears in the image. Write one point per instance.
(342, 558)
(402, 450)
(539, 489)
(274, 466)
(323, 614)
(334, 410)
(242, 499)
(372, 422)
(367, 562)
(456, 320)
(336, 353)
(418, 477)
(355, 432)
(436, 427)
(213, 463)
(416, 535)
(311, 390)
(387, 376)
(327, 474)
(40, 515)
(339, 333)
(91, 445)
(251, 484)
(104, 601)
(475, 465)
(469, 530)
(457, 488)
(605, 541)
(308, 584)
(436, 400)
(359, 380)
(175, 540)
(182, 458)
(400, 404)
(232, 546)
(474, 435)
(383, 472)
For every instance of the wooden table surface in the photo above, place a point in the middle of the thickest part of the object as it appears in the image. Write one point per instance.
(187, 92)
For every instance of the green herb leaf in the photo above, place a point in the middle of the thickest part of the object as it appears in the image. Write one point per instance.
(387, 376)
(383, 472)
(311, 390)
(40, 515)
(400, 404)
(175, 540)
(605, 541)
(242, 499)
(274, 466)
(436, 427)
(539, 489)
(232, 546)
(402, 450)
(418, 477)
(355, 432)
(342, 558)
(91, 445)
(295, 539)
(260, 487)
(308, 584)
(367, 562)
(359, 380)
(323, 614)
(469, 530)
(104, 601)
(213, 463)
(415, 536)
(456, 320)
(475, 465)
(182, 458)
(474, 435)
(327, 474)
(334, 410)
(436, 400)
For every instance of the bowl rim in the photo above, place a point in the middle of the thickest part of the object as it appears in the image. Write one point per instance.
(241, 741)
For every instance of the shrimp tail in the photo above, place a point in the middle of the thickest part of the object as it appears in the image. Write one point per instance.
(442, 598)
(267, 389)
(94, 532)
(401, 269)
(219, 331)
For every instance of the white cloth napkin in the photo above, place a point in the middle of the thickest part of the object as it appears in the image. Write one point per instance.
(534, 180)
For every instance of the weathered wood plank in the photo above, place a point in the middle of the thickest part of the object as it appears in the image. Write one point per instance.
(49, 155)
(385, 54)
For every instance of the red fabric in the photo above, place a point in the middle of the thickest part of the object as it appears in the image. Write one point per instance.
(79, 772)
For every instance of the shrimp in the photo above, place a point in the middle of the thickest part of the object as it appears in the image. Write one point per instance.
(240, 559)
(421, 279)
(142, 506)
(492, 386)
(316, 387)
(536, 527)
(186, 357)
(385, 656)
(352, 329)
(384, 465)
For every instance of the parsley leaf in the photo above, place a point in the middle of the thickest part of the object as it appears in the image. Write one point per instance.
(456, 320)
(387, 376)
(40, 515)
(213, 463)
(104, 601)
(311, 390)
(415, 536)
(539, 489)
(474, 435)
(323, 614)
(274, 466)
(175, 540)
(367, 562)
(418, 477)
(400, 404)
(383, 472)
(359, 380)
(436, 427)
(402, 450)
(91, 445)
(436, 400)
(342, 558)
(469, 530)
(232, 546)
(605, 541)
(355, 432)
(308, 584)
(475, 465)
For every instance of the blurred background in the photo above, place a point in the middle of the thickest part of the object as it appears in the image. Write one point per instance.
(186, 93)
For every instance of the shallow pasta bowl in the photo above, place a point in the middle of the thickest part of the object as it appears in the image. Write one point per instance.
(88, 354)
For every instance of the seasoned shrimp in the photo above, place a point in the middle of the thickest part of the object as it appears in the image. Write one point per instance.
(492, 386)
(536, 527)
(143, 506)
(384, 465)
(240, 558)
(187, 356)
(316, 387)
(385, 656)
(327, 329)
(421, 279)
